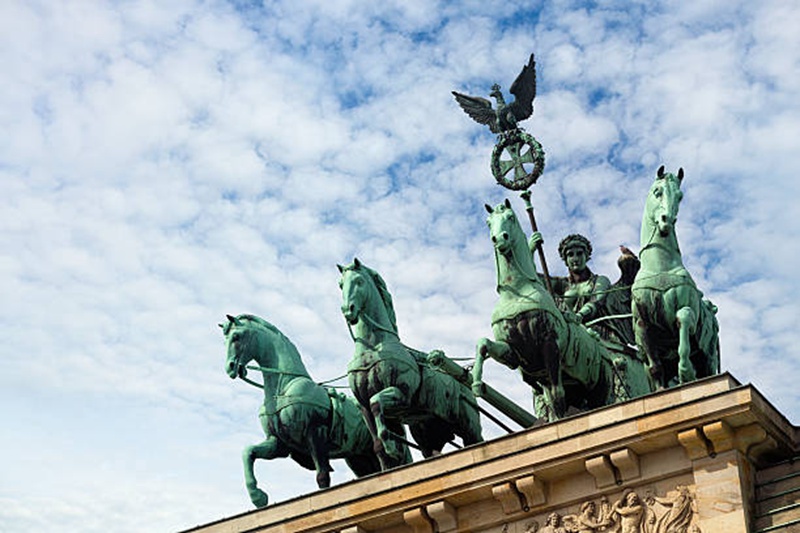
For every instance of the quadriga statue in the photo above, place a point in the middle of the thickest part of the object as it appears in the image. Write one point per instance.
(675, 328)
(564, 363)
(301, 419)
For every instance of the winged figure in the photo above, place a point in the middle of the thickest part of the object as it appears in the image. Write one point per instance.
(505, 116)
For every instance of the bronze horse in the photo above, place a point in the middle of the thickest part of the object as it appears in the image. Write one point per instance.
(300, 418)
(393, 383)
(675, 328)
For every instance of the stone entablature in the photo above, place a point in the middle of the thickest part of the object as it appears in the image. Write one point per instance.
(698, 446)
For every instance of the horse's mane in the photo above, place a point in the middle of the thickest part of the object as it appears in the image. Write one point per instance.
(258, 321)
(383, 291)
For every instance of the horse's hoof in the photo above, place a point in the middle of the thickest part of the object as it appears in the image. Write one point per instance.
(687, 374)
(377, 446)
(323, 479)
(393, 450)
(259, 498)
(559, 407)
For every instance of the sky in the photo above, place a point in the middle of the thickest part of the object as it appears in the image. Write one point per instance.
(164, 164)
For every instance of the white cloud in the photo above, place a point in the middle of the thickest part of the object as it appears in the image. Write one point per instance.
(164, 164)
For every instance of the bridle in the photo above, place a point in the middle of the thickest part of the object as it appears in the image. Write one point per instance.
(363, 315)
(512, 258)
(238, 365)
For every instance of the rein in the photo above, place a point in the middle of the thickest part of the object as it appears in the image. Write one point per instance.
(285, 373)
(372, 322)
(362, 315)
(270, 370)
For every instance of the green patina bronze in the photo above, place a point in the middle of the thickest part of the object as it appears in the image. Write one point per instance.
(396, 385)
(595, 301)
(675, 328)
(565, 364)
(301, 419)
(570, 337)
(517, 159)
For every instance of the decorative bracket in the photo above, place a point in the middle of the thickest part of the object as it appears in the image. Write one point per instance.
(753, 438)
(444, 515)
(711, 439)
(419, 521)
(720, 435)
(508, 496)
(695, 443)
(603, 471)
(532, 489)
(627, 464)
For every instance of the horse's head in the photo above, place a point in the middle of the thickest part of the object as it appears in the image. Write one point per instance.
(664, 199)
(238, 343)
(364, 295)
(503, 227)
(354, 285)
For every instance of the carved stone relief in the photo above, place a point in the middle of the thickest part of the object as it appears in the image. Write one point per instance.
(675, 512)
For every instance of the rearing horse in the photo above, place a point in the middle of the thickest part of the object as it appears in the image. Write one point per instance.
(393, 383)
(300, 418)
(672, 322)
(560, 359)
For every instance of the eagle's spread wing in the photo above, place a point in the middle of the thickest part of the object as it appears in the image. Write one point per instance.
(479, 109)
(524, 91)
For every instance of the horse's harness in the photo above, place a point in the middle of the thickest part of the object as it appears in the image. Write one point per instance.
(279, 397)
(375, 324)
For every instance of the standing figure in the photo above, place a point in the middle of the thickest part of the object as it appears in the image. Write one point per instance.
(631, 513)
(588, 521)
(590, 297)
(554, 524)
(679, 517)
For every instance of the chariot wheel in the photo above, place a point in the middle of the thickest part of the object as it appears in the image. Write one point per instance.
(517, 160)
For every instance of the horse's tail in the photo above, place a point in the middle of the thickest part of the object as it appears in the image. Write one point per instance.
(708, 336)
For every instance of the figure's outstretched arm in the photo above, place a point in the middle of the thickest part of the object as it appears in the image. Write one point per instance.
(534, 242)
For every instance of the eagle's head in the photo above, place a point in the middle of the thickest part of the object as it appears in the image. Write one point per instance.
(496, 92)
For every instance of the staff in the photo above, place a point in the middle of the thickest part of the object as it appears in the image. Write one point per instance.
(526, 196)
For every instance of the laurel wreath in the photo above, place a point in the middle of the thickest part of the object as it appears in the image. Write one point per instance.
(517, 137)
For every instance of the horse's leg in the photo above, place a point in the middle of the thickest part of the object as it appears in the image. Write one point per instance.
(268, 449)
(643, 342)
(552, 363)
(403, 457)
(470, 422)
(363, 464)
(390, 398)
(377, 445)
(542, 404)
(687, 322)
(499, 351)
(320, 454)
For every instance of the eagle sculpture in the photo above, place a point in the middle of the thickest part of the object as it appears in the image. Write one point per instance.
(506, 116)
